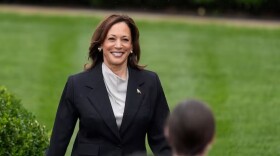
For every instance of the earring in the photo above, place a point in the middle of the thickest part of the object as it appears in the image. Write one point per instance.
(99, 49)
(131, 51)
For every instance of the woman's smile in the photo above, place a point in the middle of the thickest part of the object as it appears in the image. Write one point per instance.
(117, 54)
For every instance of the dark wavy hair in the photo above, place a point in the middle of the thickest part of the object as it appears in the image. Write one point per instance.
(191, 127)
(100, 34)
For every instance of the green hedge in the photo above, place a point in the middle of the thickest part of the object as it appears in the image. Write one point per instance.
(20, 132)
(254, 7)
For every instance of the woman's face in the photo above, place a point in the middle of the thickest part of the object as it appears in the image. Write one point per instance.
(117, 45)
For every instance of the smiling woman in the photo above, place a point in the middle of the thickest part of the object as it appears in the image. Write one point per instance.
(117, 47)
(116, 101)
(120, 33)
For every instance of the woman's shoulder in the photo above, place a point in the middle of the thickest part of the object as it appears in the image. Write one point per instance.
(147, 73)
(147, 76)
(79, 77)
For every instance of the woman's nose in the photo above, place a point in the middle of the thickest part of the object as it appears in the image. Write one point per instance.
(118, 44)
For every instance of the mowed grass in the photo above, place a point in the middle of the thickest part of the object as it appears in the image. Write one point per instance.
(235, 70)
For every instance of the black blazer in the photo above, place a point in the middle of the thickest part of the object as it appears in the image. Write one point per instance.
(85, 98)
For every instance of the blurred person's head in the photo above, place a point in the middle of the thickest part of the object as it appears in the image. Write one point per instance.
(118, 35)
(190, 129)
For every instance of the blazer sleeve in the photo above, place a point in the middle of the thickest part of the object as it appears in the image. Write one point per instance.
(156, 138)
(65, 121)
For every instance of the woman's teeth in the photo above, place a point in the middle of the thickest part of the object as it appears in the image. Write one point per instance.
(117, 54)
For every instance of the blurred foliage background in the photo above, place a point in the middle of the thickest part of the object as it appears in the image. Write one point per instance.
(260, 8)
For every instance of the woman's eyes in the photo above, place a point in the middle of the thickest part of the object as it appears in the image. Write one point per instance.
(113, 39)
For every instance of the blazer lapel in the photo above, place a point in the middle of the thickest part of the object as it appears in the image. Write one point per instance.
(134, 97)
(98, 96)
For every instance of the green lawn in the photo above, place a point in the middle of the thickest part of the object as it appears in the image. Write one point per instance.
(234, 69)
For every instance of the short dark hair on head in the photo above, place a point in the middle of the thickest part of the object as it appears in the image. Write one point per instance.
(191, 127)
(101, 33)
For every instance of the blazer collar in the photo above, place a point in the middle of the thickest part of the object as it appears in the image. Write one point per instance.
(98, 96)
(95, 76)
(134, 96)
